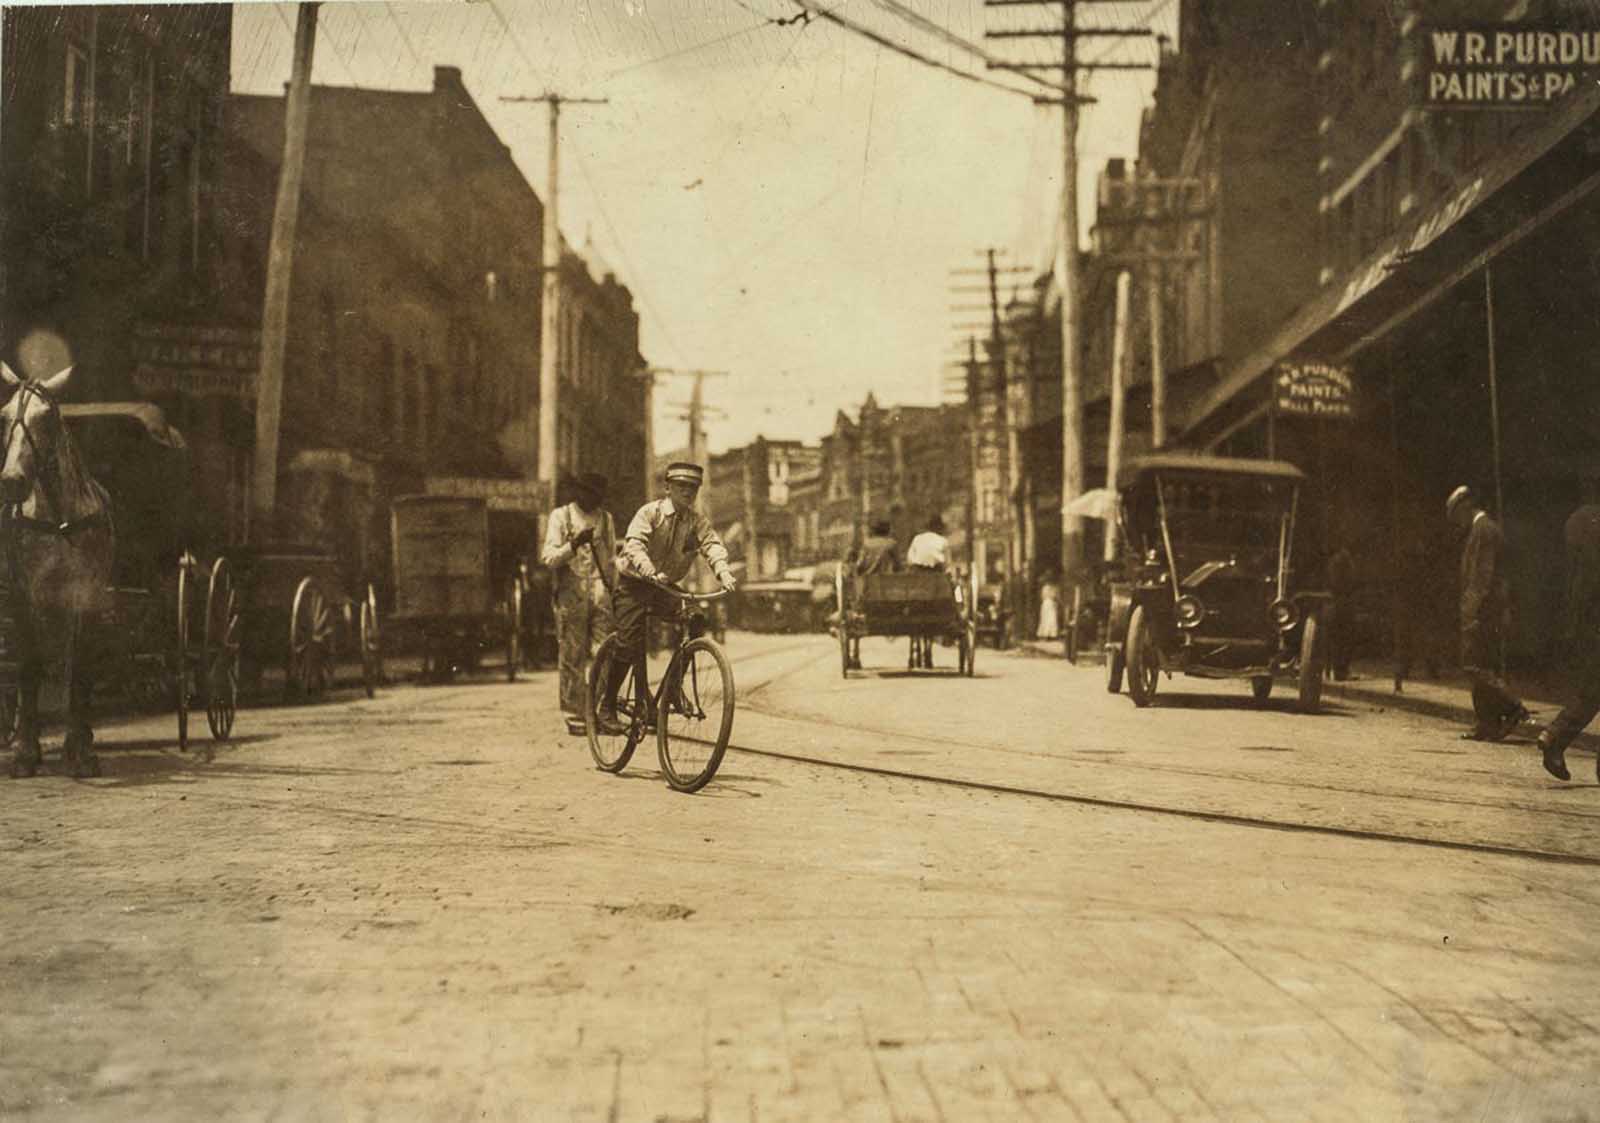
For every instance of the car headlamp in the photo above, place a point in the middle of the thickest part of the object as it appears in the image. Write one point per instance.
(1284, 614)
(1190, 612)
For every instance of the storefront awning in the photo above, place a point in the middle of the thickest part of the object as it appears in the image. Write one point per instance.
(1546, 169)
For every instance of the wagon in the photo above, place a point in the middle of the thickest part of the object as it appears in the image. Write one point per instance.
(924, 605)
(448, 598)
(1207, 586)
(305, 617)
(172, 632)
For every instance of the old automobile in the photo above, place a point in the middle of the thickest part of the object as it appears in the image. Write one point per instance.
(1207, 584)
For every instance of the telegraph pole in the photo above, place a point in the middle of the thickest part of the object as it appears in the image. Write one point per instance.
(986, 280)
(280, 263)
(1071, 377)
(550, 312)
(1119, 389)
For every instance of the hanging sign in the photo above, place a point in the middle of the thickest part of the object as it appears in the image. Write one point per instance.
(1305, 388)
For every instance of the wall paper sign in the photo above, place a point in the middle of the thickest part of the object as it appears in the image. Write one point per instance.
(1305, 388)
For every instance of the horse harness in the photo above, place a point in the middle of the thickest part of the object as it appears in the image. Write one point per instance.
(12, 514)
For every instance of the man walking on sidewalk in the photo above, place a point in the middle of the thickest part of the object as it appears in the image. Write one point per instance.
(578, 533)
(1583, 624)
(1485, 601)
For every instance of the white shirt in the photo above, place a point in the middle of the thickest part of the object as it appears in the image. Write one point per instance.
(928, 550)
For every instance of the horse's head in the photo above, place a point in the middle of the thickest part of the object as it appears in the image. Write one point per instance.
(30, 431)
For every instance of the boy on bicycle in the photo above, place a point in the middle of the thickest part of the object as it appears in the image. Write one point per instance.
(659, 548)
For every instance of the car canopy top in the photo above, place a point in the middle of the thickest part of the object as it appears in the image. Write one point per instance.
(1144, 467)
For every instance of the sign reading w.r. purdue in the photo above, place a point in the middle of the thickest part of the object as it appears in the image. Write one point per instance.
(1304, 388)
(1504, 66)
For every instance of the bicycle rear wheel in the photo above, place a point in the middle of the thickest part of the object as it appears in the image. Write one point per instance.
(611, 751)
(696, 715)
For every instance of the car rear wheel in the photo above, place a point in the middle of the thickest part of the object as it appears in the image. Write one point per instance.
(1143, 664)
(1312, 658)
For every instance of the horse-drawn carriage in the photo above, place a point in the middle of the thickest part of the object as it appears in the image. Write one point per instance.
(454, 595)
(102, 568)
(922, 604)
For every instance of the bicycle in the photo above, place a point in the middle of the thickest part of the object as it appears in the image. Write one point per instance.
(693, 702)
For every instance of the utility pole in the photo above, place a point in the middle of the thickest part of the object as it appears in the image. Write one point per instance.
(280, 263)
(550, 311)
(1067, 256)
(1119, 389)
(1158, 361)
(979, 390)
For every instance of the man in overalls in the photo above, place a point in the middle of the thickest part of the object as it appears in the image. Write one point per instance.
(578, 532)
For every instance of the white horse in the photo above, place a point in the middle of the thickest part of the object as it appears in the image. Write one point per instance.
(58, 548)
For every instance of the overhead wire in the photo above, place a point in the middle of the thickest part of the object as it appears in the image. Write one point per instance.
(917, 19)
(901, 49)
(636, 283)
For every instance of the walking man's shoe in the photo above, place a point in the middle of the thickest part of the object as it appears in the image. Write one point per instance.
(1478, 733)
(1514, 718)
(575, 725)
(1555, 758)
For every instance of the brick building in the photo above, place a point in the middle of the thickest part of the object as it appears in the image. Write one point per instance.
(109, 238)
(414, 321)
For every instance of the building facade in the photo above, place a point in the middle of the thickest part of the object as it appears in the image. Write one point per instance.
(110, 238)
(413, 348)
(1454, 258)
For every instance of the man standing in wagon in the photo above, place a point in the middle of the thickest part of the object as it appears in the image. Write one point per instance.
(581, 533)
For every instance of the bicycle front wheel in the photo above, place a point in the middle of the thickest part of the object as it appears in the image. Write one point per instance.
(610, 748)
(695, 715)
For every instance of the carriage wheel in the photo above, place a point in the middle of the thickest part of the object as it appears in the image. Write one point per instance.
(371, 649)
(180, 662)
(310, 635)
(513, 630)
(221, 651)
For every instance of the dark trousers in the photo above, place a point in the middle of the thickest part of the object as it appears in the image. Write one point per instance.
(632, 603)
(1492, 702)
(1584, 702)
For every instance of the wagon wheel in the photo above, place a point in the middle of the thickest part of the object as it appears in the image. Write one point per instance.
(371, 648)
(221, 651)
(180, 662)
(844, 622)
(513, 629)
(310, 634)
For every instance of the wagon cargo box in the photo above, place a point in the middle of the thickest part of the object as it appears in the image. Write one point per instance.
(441, 556)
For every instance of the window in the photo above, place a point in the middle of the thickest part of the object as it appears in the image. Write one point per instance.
(411, 395)
(76, 94)
(383, 389)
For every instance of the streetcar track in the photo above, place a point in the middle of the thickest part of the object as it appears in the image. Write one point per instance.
(1078, 757)
(1225, 818)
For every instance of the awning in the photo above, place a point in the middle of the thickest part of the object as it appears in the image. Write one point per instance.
(1477, 221)
(147, 415)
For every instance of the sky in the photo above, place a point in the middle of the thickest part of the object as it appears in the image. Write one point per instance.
(786, 200)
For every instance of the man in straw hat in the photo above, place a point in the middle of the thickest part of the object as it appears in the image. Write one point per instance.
(659, 549)
(580, 548)
(1485, 603)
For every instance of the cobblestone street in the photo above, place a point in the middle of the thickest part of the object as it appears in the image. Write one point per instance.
(432, 906)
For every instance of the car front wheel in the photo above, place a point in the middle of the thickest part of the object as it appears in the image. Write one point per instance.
(1143, 664)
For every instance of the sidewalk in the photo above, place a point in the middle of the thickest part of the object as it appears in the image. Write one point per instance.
(1371, 683)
